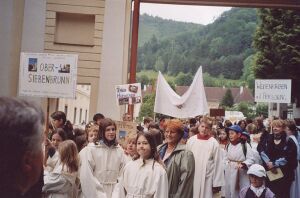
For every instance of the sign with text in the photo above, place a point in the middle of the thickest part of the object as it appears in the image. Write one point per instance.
(124, 129)
(129, 94)
(275, 91)
(48, 75)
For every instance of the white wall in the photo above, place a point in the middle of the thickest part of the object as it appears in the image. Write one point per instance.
(114, 57)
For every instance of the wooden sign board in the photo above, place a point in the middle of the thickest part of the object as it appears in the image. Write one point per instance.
(216, 112)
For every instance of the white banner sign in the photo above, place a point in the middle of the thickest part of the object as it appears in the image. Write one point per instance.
(275, 91)
(129, 94)
(48, 75)
(192, 103)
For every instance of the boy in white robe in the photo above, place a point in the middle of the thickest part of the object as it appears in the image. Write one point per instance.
(238, 159)
(209, 174)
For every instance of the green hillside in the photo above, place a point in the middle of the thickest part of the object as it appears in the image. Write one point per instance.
(220, 47)
(162, 28)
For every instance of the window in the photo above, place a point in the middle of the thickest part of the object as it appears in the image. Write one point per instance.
(77, 29)
(75, 112)
(66, 110)
(80, 116)
(86, 112)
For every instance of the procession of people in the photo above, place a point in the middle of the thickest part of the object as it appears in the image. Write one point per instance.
(200, 157)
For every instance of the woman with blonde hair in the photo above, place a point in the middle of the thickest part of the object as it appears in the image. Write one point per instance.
(62, 181)
(279, 154)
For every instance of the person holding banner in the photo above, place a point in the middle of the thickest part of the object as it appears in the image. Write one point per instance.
(180, 162)
(101, 163)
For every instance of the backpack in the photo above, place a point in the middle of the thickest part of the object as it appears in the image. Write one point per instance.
(244, 147)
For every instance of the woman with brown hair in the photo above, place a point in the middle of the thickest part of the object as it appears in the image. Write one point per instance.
(179, 162)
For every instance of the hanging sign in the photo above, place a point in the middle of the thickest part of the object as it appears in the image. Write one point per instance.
(274, 91)
(48, 75)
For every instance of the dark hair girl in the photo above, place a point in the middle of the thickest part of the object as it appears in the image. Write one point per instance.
(59, 120)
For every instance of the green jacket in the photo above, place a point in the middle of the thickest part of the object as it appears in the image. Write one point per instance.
(180, 169)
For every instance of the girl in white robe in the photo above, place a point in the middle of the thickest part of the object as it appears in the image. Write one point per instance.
(62, 181)
(101, 163)
(209, 171)
(144, 177)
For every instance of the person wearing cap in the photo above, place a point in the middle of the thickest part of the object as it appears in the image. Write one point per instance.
(239, 157)
(209, 171)
(257, 188)
(179, 162)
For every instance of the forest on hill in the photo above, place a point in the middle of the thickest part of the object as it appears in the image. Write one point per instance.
(177, 49)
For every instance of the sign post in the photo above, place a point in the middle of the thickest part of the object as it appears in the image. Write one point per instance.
(129, 94)
(275, 91)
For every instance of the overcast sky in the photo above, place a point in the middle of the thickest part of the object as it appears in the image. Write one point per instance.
(195, 14)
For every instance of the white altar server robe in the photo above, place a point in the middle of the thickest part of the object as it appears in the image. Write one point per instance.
(142, 179)
(209, 171)
(99, 170)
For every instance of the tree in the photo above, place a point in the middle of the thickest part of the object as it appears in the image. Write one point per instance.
(143, 79)
(147, 108)
(227, 100)
(248, 73)
(277, 41)
(159, 65)
(262, 109)
(184, 79)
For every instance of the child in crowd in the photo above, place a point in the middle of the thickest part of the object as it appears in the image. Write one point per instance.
(62, 181)
(101, 163)
(222, 137)
(223, 141)
(51, 154)
(209, 174)
(59, 120)
(257, 188)
(80, 138)
(239, 157)
(130, 148)
(147, 121)
(145, 176)
(193, 131)
(92, 131)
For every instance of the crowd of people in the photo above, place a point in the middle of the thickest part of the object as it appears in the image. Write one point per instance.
(200, 157)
